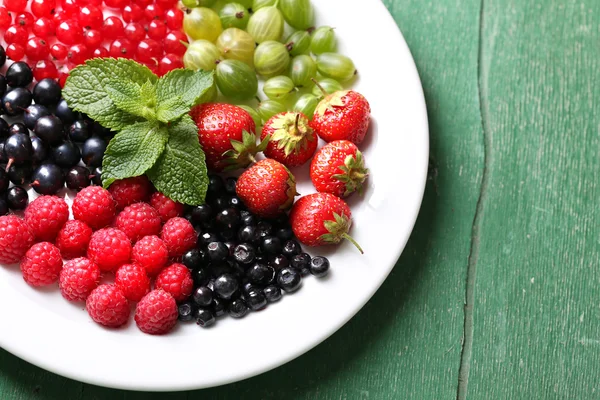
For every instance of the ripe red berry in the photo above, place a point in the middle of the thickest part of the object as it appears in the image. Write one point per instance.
(151, 253)
(343, 115)
(60, 16)
(46, 215)
(112, 28)
(153, 11)
(71, 7)
(179, 236)
(116, 3)
(16, 34)
(100, 52)
(133, 281)
(94, 206)
(78, 278)
(156, 313)
(5, 18)
(166, 207)
(157, 29)
(293, 142)
(176, 280)
(148, 50)
(168, 63)
(90, 17)
(166, 3)
(143, 3)
(73, 239)
(15, 52)
(42, 8)
(26, 20)
(92, 38)
(15, 239)
(108, 306)
(41, 264)
(131, 190)
(62, 78)
(16, 5)
(122, 48)
(109, 248)
(44, 27)
(135, 32)
(45, 69)
(173, 43)
(78, 54)
(132, 13)
(69, 32)
(59, 51)
(174, 18)
(138, 220)
(37, 49)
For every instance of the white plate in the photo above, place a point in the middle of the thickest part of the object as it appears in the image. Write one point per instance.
(42, 328)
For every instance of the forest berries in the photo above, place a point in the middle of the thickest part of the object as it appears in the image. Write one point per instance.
(138, 220)
(109, 248)
(126, 192)
(156, 313)
(46, 215)
(15, 239)
(177, 281)
(94, 206)
(292, 141)
(78, 278)
(151, 253)
(133, 281)
(179, 235)
(343, 115)
(41, 264)
(166, 207)
(73, 239)
(108, 306)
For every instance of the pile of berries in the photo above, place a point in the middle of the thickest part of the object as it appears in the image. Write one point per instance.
(195, 264)
(57, 35)
(45, 147)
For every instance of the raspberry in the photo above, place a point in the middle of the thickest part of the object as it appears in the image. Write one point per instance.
(109, 248)
(177, 281)
(42, 264)
(156, 313)
(139, 220)
(133, 281)
(166, 207)
(151, 253)
(45, 216)
(108, 306)
(94, 206)
(179, 236)
(78, 278)
(15, 239)
(129, 191)
(73, 239)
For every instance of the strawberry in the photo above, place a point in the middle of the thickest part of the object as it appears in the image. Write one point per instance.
(321, 219)
(267, 188)
(343, 115)
(226, 133)
(339, 168)
(292, 141)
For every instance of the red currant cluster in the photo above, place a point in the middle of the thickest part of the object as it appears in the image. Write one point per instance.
(58, 35)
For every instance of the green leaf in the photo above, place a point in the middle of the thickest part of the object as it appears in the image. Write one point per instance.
(133, 99)
(172, 109)
(180, 172)
(133, 151)
(87, 89)
(190, 86)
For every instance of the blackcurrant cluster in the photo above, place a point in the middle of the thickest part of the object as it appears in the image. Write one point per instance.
(241, 262)
(42, 141)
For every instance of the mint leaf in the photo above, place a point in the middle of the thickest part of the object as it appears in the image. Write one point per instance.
(133, 99)
(190, 86)
(171, 110)
(86, 89)
(180, 172)
(133, 151)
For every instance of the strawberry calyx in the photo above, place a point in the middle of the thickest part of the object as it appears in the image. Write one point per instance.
(291, 191)
(338, 231)
(243, 153)
(354, 173)
(291, 132)
(330, 101)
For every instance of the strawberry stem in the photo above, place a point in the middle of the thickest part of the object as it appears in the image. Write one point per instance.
(351, 240)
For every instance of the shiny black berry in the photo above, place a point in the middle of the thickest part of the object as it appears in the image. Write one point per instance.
(271, 245)
(3, 207)
(66, 115)
(194, 259)
(4, 181)
(215, 185)
(201, 213)
(16, 101)
(33, 113)
(226, 285)
(204, 239)
(47, 92)
(279, 261)
(3, 85)
(97, 176)
(272, 293)
(186, 312)
(247, 218)
(20, 174)
(291, 248)
(39, 150)
(4, 129)
(80, 131)
(289, 279)
(202, 296)
(204, 317)
(50, 129)
(319, 266)
(201, 276)
(92, 151)
(219, 307)
(217, 251)
(300, 261)
(78, 178)
(244, 253)
(238, 308)
(249, 234)
(18, 127)
(265, 229)
(285, 234)
(19, 74)
(17, 198)
(220, 202)
(48, 179)
(256, 299)
(230, 184)
(260, 274)
(229, 217)
(17, 148)
(3, 157)
(101, 131)
(66, 155)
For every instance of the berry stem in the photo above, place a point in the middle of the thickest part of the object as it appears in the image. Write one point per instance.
(351, 240)
(320, 87)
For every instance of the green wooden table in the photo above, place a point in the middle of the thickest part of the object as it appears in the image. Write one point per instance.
(497, 295)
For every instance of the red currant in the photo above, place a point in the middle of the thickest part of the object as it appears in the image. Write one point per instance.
(25, 20)
(45, 69)
(113, 28)
(69, 32)
(71, 7)
(42, 8)
(174, 18)
(37, 49)
(92, 38)
(16, 34)
(5, 18)
(90, 17)
(44, 27)
(97, 3)
(60, 16)
(172, 43)
(157, 29)
(59, 51)
(148, 50)
(152, 11)
(153, 66)
(15, 52)
(135, 32)
(78, 54)
(165, 3)
(122, 48)
(116, 3)
(62, 78)
(16, 5)
(100, 52)
(168, 63)
(143, 3)
(132, 13)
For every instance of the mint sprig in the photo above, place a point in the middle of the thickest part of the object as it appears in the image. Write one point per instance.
(155, 135)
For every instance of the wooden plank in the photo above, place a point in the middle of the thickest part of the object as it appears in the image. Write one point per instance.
(536, 298)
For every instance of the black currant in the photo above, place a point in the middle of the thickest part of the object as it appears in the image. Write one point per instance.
(50, 129)
(202, 296)
(204, 239)
(101, 131)
(194, 259)
(289, 279)
(291, 248)
(17, 127)
(244, 253)
(201, 276)
(18, 149)
(217, 251)
(204, 317)
(278, 262)
(33, 113)
(225, 286)
(48, 179)
(186, 312)
(255, 299)
(17, 198)
(97, 176)
(260, 274)
(247, 218)
(230, 185)
(219, 306)
(16, 101)
(249, 234)
(3, 207)
(264, 228)
(272, 293)
(92, 151)
(19, 74)
(229, 217)
(201, 213)
(80, 131)
(66, 155)
(4, 129)
(319, 266)
(238, 308)
(78, 178)
(40, 150)
(66, 115)
(271, 245)
(4, 181)
(47, 92)
(215, 185)
(20, 174)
